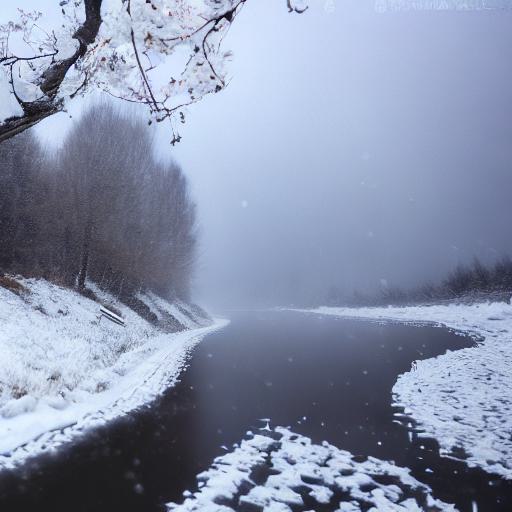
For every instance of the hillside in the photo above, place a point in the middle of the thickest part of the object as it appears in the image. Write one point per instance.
(62, 361)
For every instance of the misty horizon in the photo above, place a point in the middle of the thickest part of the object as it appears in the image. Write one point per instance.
(385, 160)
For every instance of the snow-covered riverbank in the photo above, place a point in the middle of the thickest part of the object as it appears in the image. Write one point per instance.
(63, 370)
(463, 398)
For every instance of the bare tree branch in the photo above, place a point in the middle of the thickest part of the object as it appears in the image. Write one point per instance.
(293, 8)
(100, 59)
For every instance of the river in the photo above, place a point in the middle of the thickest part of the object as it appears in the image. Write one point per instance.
(325, 377)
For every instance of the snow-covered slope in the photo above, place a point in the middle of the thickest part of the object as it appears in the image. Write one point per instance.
(61, 363)
(182, 314)
(462, 398)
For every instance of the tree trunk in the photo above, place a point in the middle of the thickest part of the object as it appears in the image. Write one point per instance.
(52, 78)
(84, 263)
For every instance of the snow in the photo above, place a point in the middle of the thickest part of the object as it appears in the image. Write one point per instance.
(65, 369)
(9, 107)
(463, 398)
(167, 32)
(177, 309)
(277, 470)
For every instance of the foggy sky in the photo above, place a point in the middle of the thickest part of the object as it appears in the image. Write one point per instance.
(351, 147)
(364, 146)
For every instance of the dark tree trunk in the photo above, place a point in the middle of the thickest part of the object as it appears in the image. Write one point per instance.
(53, 76)
(86, 249)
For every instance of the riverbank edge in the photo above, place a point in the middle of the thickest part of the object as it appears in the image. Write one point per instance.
(462, 398)
(51, 327)
(160, 372)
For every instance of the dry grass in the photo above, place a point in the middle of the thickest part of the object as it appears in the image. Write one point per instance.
(9, 283)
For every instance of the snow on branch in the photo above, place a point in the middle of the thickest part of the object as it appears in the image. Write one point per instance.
(165, 54)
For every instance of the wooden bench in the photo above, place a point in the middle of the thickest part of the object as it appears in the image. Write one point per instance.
(105, 312)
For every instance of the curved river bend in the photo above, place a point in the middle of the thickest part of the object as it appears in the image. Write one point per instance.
(325, 377)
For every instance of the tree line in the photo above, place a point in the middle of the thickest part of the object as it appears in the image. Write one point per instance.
(101, 208)
(467, 282)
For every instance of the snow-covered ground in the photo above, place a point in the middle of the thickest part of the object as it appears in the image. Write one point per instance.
(275, 470)
(462, 398)
(64, 370)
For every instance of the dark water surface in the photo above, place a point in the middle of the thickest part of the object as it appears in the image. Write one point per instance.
(325, 377)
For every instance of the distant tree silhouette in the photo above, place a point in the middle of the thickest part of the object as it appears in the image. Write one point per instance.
(467, 282)
(101, 209)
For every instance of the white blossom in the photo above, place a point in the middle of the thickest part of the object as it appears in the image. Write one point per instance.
(165, 54)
